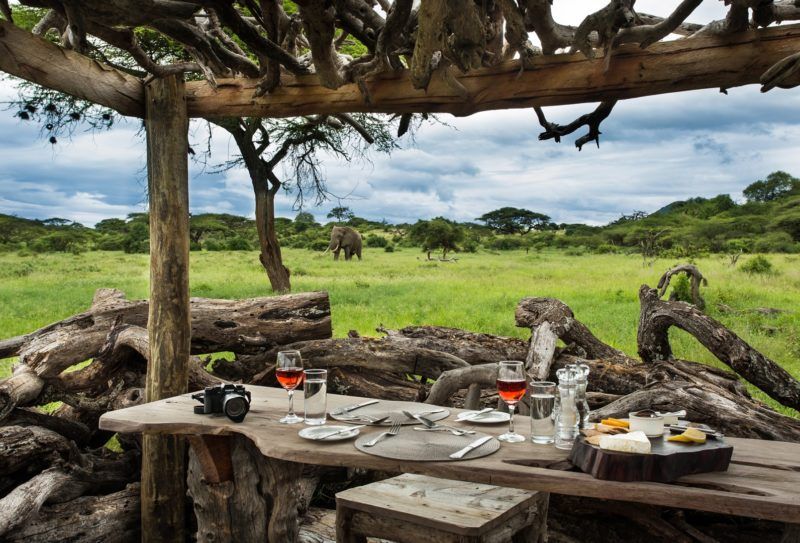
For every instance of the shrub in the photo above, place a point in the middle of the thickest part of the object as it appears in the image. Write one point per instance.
(238, 244)
(470, 246)
(195, 246)
(389, 248)
(606, 249)
(681, 289)
(318, 245)
(214, 245)
(758, 265)
(505, 244)
(376, 241)
(575, 251)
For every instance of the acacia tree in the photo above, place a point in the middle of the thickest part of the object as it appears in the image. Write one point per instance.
(776, 185)
(512, 220)
(438, 233)
(279, 154)
(341, 213)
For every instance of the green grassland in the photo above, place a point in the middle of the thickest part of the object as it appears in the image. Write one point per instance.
(478, 292)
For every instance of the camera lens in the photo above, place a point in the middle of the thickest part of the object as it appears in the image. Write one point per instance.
(236, 408)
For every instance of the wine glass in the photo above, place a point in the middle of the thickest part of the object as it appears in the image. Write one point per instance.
(289, 371)
(511, 388)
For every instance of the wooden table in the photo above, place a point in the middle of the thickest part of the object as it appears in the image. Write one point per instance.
(762, 481)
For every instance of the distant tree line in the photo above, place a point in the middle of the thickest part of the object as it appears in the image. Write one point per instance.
(768, 221)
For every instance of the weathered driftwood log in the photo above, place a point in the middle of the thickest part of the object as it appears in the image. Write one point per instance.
(65, 482)
(472, 347)
(388, 354)
(534, 312)
(656, 318)
(217, 325)
(114, 379)
(109, 518)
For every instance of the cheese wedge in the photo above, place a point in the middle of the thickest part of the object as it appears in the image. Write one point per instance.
(633, 442)
(616, 422)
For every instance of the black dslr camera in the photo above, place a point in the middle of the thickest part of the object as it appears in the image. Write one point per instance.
(233, 400)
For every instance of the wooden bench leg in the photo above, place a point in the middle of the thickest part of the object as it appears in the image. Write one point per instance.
(536, 532)
(344, 525)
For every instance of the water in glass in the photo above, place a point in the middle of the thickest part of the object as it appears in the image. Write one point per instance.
(543, 401)
(315, 391)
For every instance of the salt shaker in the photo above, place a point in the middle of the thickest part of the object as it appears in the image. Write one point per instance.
(567, 421)
(580, 394)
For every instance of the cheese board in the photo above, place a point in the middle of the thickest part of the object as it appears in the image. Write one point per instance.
(666, 462)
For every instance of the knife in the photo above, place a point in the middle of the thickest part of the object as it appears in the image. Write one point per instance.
(343, 410)
(337, 432)
(474, 445)
(474, 415)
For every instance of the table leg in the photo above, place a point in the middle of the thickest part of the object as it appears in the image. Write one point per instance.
(232, 484)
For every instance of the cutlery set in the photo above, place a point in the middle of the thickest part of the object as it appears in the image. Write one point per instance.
(347, 413)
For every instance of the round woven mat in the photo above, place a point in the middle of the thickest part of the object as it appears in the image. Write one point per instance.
(395, 412)
(410, 444)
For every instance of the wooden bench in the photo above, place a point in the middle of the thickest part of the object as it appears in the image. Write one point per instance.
(417, 508)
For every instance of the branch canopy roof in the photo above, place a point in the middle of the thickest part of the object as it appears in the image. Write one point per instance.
(282, 58)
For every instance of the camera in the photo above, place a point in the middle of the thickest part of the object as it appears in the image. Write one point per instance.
(233, 400)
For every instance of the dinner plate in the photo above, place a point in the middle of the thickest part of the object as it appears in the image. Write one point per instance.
(492, 417)
(317, 433)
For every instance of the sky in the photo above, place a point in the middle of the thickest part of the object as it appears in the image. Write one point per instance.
(653, 151)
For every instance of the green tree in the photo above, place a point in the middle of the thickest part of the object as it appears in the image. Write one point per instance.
(438, 233)
(303, 221)
(206, 223)
(512, 220)
(341, 213)
(111, 226)
(776, 185)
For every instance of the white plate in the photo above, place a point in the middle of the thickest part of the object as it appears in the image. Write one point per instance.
(492, 417)
(317, 433)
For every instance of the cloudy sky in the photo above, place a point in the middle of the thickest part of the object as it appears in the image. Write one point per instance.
(653, 151)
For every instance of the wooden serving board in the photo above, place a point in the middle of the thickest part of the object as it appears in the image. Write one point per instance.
(667, 461)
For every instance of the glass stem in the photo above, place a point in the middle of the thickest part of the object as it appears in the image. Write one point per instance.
(511, 420)
(291, 403)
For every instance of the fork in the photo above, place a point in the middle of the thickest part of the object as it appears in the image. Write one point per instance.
(393, 431)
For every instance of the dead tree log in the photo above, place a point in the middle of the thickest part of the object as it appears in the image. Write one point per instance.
(109, 518)
(388, 354)
(217, 325)
(65, 482)
(115, 379)
(656, 318)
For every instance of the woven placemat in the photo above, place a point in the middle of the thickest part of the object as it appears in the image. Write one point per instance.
(394, 410)
(410, 444)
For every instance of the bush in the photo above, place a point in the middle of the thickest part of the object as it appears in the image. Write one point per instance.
(757, 265)
(606, 249)
(376, 241)
(389, 248)
(195, 246)
(214, 245)
(505, 244)
(318, 245)
(470, 246)
(681, 289)
(575, 251)
(239, 244)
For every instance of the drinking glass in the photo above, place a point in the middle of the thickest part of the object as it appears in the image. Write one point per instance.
(543, 401)
(289, 371)
(511, 388)
(315, 393)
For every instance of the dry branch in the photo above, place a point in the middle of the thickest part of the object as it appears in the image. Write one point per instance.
(657, 316)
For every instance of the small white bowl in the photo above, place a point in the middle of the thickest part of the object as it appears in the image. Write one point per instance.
(652, 426)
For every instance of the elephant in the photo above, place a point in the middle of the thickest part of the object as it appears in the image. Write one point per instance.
(344, 237)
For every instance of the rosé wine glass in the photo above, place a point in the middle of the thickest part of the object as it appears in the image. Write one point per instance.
(289, 372)
(511, 385)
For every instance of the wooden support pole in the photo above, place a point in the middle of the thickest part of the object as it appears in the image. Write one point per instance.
(163, 464)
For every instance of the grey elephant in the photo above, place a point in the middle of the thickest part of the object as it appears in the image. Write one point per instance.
(344, 237)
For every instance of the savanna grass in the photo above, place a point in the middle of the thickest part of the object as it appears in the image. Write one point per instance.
(478, 292)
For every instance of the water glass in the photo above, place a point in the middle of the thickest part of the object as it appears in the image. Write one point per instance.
(543, 401)
(315, 392)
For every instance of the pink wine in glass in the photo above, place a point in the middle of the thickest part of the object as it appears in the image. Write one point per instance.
(511, 391)
(290, 378)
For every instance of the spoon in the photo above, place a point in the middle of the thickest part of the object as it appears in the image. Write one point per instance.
(433, 426)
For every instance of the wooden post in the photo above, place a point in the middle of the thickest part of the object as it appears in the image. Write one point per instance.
(163, 464)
